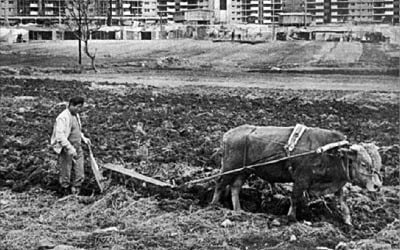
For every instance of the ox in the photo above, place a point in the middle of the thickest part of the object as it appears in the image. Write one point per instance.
(316, 173)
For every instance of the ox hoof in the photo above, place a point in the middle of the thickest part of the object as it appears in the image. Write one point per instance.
(215, 205)
(238, 211)
(347, 222)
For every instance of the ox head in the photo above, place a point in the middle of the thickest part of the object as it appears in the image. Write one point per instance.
(364, 165)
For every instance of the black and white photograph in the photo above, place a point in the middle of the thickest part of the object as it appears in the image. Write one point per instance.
(199, 124)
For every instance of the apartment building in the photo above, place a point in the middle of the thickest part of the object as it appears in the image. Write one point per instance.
(362, 11)
(225, 11)
(141, 9)
(8, 8)
(322, 11)
(267, 11)
(53, 10)
(40, 7)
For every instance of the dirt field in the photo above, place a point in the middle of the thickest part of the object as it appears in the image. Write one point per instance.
(184, 121)
(294, 65)
(124, 56)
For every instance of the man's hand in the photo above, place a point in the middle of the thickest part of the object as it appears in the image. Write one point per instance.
(87, 141)
(72, 152)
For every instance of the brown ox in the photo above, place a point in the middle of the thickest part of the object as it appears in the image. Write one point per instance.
(318, 174)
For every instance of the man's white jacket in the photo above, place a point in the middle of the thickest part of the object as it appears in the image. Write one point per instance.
(62, 130)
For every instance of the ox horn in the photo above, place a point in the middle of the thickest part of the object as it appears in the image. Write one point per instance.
(350, 152)
(344, 150)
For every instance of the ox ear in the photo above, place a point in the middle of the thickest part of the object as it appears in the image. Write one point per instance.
(349, 153)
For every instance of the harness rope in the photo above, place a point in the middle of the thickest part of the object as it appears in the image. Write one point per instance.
(317, 151)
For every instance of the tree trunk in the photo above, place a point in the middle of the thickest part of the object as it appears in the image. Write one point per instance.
(91, 56)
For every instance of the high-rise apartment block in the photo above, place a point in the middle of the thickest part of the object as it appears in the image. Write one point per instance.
(322, 11)
(225, 11)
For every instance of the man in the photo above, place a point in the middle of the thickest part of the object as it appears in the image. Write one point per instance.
(67, 141)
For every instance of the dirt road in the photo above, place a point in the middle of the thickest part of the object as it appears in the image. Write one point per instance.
(284, 81)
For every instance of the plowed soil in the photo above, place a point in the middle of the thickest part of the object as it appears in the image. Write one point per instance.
(166, 121)
(183, 127)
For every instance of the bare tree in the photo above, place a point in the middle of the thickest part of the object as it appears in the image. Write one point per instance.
(79, 13)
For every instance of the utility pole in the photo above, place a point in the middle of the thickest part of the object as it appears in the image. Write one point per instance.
(161, 24)
(59, 12)
(109, 21)
(6, 13)
(80, 33)
(273, 20)
(305, 13)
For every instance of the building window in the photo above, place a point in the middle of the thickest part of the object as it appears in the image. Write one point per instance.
(222, 4)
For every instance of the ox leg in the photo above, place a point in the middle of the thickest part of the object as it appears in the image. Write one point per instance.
(220, 186)
(217, 192)
(235, 191)
(296, 199)
(344, 209)
(292, 209)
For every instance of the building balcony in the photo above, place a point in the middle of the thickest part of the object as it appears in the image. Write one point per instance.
(33, 5)
(48, 5)
(191, 5)
(126, 5)
(255, 8)
(34, 13)
(319, 20)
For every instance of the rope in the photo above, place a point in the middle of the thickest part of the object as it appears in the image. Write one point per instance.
(319, 150)
(249, 167)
